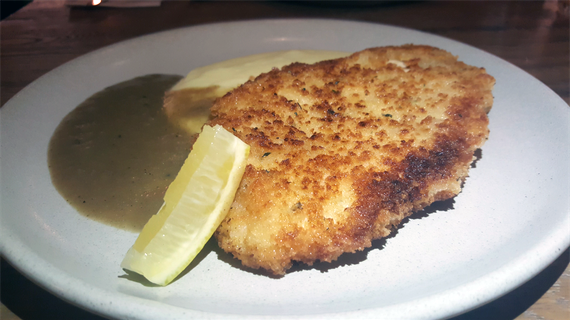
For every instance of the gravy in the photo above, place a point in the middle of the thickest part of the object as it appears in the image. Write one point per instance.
(113, 157)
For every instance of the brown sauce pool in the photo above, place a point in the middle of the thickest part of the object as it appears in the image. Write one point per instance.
(113, 157)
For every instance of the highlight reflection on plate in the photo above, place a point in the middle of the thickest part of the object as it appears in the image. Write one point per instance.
(510, 221)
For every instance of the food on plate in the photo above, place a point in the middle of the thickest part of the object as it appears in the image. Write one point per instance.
(343, 150)
(194, 205)
(188, 103)
(114, 155)
(129, 169)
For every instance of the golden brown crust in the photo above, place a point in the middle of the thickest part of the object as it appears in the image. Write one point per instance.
(343, 150)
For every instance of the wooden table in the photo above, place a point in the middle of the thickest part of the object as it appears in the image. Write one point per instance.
(532, 35)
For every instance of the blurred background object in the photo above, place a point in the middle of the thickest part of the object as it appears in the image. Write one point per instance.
(114, 3)
(350, 3)
(7, 7)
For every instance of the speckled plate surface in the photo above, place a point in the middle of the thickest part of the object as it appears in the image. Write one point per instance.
(510, 221)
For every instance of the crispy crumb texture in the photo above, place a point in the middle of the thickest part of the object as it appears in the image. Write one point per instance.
(343, 150)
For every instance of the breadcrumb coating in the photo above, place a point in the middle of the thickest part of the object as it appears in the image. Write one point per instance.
(343, 150)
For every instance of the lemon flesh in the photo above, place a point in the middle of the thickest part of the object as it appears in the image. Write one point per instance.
(195, 204)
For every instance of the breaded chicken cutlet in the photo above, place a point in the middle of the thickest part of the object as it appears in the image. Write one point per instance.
(343, 150)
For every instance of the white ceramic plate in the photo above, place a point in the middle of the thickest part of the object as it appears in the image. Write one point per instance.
(510, 221)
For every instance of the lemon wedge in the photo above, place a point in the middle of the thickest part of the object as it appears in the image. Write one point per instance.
(195, 204)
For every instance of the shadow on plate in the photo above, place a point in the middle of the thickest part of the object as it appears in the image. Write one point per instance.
(345, 259)
(29, 301)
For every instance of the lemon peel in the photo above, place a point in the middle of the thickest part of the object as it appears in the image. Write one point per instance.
(195, 204)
